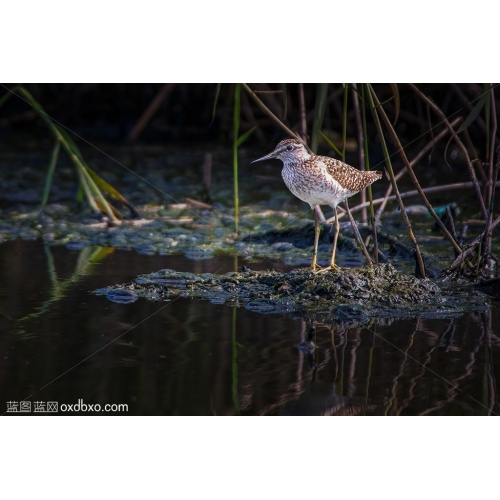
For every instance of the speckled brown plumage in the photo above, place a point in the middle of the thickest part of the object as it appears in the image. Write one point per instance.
(319, 180)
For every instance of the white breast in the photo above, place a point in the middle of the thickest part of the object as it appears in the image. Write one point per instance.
(316, 187)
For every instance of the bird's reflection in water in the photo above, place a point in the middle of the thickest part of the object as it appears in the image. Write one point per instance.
(321, 398)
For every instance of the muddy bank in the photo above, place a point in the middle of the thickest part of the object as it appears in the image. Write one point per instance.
(348, 293)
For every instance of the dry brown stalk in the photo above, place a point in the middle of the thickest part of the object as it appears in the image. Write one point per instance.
(459, 143)
(361, 149)
(302, 110)
(493, 174)
(467, 105)
(414, 192)
(371, 96)
(273, 102)
(412, 175)
(458, 261)
(491, 154)
(474, 158)
(331, 97)
(417, 158)
(271, 115)
(151, 109)
(199, 204)
(358, 236)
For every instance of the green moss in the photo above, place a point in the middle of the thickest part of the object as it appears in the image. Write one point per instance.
(378, 291)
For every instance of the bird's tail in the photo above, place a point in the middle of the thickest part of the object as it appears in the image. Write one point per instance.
(372, 176)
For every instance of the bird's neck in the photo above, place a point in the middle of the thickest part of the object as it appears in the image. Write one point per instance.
(297, 160)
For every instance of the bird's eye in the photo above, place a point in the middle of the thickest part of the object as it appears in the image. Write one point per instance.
(289, 148)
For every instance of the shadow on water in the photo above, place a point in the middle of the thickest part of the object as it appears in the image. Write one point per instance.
(188, 357)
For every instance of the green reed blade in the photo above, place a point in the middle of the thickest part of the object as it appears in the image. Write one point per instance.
(236, 131)
(244, 137)
(330, 143)
(85, 187)
(397, 101)
(102, 184)
(48, 179)
(319, 114)
(88, 178)
(475, 112)
(344, 120)
(97, 194)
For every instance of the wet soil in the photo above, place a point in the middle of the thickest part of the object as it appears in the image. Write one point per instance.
(355, 293)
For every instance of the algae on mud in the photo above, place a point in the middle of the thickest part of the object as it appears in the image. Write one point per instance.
(356, 292)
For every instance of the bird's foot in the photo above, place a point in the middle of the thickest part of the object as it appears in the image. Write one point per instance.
(316, 268)
(333, 267)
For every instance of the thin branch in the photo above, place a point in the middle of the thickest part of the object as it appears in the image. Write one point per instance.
(492, 147)
(302, 110)
(413, 193)
(404, 215)
(458, 261)
(150, 110)
(413, 177)
(373, 219)
(459, 143)
(361, 151)
(361, 244)
(271, 115)
(417, 158)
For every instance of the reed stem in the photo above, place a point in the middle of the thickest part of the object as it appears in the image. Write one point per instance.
(406, 220)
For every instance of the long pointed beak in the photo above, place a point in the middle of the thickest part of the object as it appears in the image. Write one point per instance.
(270, 156)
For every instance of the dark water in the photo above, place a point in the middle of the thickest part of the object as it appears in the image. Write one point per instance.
(60, 344)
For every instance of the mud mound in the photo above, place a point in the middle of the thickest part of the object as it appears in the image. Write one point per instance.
(360, 292)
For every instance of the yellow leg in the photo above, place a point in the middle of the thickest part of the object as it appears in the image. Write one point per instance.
(332, 265)
(317, 230)
(335, 238)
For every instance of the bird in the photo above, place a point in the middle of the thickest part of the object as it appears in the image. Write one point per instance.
(319, 180)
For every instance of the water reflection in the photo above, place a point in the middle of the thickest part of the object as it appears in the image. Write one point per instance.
(189, 357)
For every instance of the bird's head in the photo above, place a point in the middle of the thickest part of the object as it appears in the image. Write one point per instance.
(287, 150)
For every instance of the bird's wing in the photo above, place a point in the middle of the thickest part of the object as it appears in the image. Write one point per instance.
(348, 177)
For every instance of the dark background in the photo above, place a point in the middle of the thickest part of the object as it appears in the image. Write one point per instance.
(185, 114)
